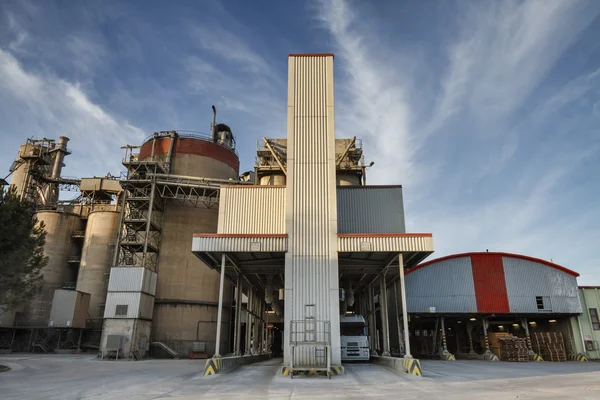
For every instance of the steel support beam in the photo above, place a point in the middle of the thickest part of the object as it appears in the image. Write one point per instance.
(238, 316)
(385, 323)
(220, 309)
(404, 309)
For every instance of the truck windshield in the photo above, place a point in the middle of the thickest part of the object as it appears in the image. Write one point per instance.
(348, 329)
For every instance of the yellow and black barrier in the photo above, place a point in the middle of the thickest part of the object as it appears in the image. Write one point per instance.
(578, 357)
(448, 357)
(213, 366)
(337, 370)
(490, 357)
(412, 366)
(535, 357)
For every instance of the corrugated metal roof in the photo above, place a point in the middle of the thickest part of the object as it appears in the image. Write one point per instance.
(533, 259)
(526, 280)
(252, 210)
(239, 243)
(378, 209)
(447, 286)
(413, 242)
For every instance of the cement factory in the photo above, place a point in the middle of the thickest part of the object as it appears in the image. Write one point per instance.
(183, 256)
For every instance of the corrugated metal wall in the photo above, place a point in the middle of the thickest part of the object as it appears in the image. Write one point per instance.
(370, 210)
(490, 286)
(526, 279)
(139, 305)
(132, 279)
(447, 286)
(311, 270)
(264, 210)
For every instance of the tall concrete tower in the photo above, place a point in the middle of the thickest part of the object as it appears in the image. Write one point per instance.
(311, 263)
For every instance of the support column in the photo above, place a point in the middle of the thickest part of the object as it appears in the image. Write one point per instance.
(248, 322)
(259, 328)
(485, 335)
(396, 310)
(385, 323)
(470, 334)
(220, 309)
(372, 340)
(238, 315)
(444, 344)
(525, 326)
(404, 310)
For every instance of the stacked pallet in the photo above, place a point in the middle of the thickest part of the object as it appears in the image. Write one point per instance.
(495, 345)
(549, 345)
(514, 349)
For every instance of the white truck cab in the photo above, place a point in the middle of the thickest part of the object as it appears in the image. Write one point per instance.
(353, 338)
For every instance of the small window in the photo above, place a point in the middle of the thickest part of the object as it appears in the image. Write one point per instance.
(121, 310)
(540, 302)
(594, 318)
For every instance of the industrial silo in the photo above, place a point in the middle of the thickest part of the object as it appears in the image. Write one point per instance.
(187, 292)
(63, 260)
(96, 257)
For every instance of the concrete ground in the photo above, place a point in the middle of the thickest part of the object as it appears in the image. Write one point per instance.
(83, 377)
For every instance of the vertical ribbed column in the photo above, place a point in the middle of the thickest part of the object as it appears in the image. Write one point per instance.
(311, 270)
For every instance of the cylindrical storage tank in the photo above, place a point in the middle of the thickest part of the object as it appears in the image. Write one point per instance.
(347, 179)
(273, 180)
(187, 291)
(96, 258)
(19, 176)
(59, 247)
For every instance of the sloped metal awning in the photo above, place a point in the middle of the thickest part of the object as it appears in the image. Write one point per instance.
(255, 256)
(370, 255)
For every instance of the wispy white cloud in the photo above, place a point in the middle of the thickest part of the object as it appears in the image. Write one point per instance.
(504, 51)
(375, 103)
(50, 107)
(479, 169)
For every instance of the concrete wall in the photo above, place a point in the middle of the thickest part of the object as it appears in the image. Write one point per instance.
(185, 285)
(136, 333)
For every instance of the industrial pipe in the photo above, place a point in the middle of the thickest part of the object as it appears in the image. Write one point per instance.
(171, 145)
(213, 124)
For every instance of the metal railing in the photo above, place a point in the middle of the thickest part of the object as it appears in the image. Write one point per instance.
(310, 331)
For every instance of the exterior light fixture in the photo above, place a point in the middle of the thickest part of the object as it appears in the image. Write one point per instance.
(459, 322)
(473, 319)
(516, 325)
(532, 323)
(501, 326)
(270, 312)
(552, 321)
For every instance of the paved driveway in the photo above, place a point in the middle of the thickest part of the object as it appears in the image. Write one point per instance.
(83, 377)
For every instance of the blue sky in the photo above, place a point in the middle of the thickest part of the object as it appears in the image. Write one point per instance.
(487, 112)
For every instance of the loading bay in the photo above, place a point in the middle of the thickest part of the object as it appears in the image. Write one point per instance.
(83, 377)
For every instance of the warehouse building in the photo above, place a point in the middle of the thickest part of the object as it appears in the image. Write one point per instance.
(457, 302)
